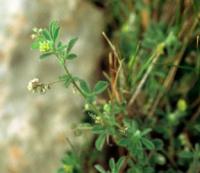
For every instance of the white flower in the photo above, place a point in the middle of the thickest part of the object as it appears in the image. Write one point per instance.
(33, 36)
(36, 86)
(33, 84)
(36, 33)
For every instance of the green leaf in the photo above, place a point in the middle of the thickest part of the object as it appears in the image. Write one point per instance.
(148, 144)
(54, 30)
(71, 44)
(112, 165)
(120, 163)
(98, 129)
(56, 33)
(186, 155)
(71, 56)
(100, 142)
(100, 87)
(146, 131)
(123, 142)
(100, 168)
(46, 34)
(84, 87)
(70, 158)
(45, 56)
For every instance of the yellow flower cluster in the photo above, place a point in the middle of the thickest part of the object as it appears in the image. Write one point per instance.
(45, 46)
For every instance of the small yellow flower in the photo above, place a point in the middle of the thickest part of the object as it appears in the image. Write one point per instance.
(45, 46)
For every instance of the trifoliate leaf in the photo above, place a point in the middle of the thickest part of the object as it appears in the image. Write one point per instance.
(66, 79)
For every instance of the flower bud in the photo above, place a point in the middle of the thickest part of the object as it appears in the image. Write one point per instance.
(181, 105)
(45, 46)
(160, 159)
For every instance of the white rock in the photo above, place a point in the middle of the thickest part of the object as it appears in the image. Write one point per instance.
(33, 127)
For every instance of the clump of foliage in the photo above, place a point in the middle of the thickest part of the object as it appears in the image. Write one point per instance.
(149, 122)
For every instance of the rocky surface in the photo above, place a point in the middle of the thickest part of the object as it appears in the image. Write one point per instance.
(33, 127)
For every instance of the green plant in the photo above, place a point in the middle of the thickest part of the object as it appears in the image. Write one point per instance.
(145, 120)
(114, 167)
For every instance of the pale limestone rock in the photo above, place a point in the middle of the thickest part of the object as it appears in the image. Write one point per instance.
(33, 127)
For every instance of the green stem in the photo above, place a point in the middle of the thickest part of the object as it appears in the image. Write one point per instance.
(80, 91)
(52, 83)
(74, 82)
(76, 86)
